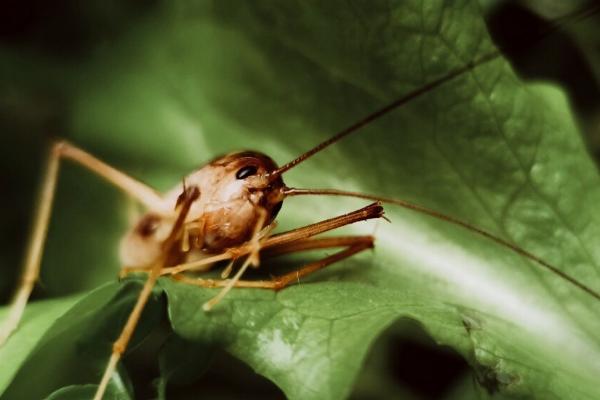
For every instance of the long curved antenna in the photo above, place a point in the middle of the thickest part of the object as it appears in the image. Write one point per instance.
(382, 111)
(557, 24)
(436, 214)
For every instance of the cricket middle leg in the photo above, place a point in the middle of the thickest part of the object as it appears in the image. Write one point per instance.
(351, 244)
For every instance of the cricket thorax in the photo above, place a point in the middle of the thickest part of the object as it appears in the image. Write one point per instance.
(234, 192)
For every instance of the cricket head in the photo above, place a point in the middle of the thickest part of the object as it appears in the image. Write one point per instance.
(236, 197)
(246, 175)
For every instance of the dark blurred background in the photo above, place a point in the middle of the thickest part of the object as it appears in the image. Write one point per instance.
(42, 46)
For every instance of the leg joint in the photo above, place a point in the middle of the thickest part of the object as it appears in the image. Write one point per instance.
(60, 146)
(118, 348)
(369, 242)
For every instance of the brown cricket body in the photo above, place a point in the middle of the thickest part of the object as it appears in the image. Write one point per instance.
(234, 190)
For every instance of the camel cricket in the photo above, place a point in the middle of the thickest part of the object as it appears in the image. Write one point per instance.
(224, 211)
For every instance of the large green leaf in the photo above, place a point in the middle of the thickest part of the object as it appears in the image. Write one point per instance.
(87, 392)
(195, 80)
(38, 317)
(557, 41)
(75, 343)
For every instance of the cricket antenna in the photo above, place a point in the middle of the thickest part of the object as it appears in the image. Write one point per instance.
(577, 15)
(455, 221)
(384, 110)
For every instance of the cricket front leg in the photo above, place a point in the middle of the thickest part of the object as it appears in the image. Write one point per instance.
(120, 345)
(31, 266)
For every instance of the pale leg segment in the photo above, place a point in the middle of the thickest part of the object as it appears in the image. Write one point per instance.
(121, 343)
(31, 267)
(252, 259)
(264, 233)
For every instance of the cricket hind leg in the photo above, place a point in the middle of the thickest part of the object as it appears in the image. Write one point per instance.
(351, 244)
(31, 266)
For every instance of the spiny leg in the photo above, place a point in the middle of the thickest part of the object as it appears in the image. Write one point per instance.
(371, 211)
(352, 244)
(282, 281)
(317, 243)
(119, 346)
(31, 267)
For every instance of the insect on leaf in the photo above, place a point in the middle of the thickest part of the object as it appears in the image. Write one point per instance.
(193, 80)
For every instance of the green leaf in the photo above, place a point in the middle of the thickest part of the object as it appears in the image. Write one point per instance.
(558, 41)
(194, 80)
(76, 348)
(38, 318)
(182, 361)
(86, 392)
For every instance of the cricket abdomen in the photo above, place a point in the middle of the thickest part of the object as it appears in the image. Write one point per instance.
(141, 247)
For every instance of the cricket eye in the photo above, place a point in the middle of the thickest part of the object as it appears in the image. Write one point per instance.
(246, 171)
